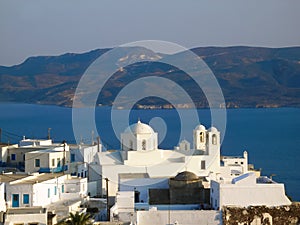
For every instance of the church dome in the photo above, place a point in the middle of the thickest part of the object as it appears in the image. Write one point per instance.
(139, 128)
(200, 127)
(186, 176)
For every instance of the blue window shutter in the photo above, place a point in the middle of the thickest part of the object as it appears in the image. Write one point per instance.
(25, 198)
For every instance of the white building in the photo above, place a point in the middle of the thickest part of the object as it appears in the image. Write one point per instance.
(14, 155)
(140, 154)
(247, 190)
(28, 216)
(35, 142)
(4, 152)
(81, 156)
(126, 210)
(236, 165)
(47, 161)
(41, 189)
(38, 198)
(141, 183)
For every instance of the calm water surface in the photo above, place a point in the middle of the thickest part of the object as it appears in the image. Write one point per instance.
(270, 136)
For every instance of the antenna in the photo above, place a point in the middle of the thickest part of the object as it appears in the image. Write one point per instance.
(98, 143)
(272, 175)
(64, 157)
(92, 137)
(49, 136)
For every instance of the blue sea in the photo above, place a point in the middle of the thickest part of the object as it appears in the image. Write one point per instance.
(270, 136)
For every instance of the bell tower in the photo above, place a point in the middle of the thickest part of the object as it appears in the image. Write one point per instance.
(199, 135)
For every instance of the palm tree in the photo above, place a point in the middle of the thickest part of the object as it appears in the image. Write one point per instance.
(77, 219)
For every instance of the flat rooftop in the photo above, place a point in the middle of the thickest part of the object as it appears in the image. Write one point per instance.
(31, 148)
(133, 175)
(47, 150)
(264, 180)
(7, 144)
(232, 157)
(8, 177)
(27, 210)
(76, 146)
(15, 179)
(28, 178)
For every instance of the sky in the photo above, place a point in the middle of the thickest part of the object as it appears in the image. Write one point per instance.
(54, 27)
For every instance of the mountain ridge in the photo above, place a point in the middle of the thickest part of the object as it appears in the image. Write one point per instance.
(248, 76)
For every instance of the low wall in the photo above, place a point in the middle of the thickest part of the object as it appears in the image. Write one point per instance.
(162, 217)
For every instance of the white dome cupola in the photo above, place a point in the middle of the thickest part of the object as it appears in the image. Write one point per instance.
(139, 128)
(139, 137)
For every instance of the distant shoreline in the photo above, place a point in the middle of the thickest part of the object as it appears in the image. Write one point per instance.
(150, 107)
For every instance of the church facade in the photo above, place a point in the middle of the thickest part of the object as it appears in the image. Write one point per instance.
(139, 154)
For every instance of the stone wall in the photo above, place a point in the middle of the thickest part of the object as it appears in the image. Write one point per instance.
(261, 215)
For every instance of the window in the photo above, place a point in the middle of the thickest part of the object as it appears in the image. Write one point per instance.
(13, 157)
(48, 192)
(72, 157)
(55, 190)
(203, 165)
(53, 162)
(130, 145)
(25, 198)
(58, 162)
(202, 137)
(33, 223)
(62, 188)
(144, 145)
(214, 139)
(37, 162)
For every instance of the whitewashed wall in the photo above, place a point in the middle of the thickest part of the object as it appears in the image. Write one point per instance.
(179, 217)
(2, 200)
(246, 192)
(40, 218)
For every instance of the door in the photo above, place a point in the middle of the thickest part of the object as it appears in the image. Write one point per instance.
(15, 200)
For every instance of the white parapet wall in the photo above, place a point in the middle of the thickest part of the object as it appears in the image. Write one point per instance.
(30, 215)
(209, 217)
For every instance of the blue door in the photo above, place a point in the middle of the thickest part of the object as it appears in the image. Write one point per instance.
(15, 200)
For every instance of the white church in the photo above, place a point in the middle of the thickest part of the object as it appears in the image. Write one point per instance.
(141, 165)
